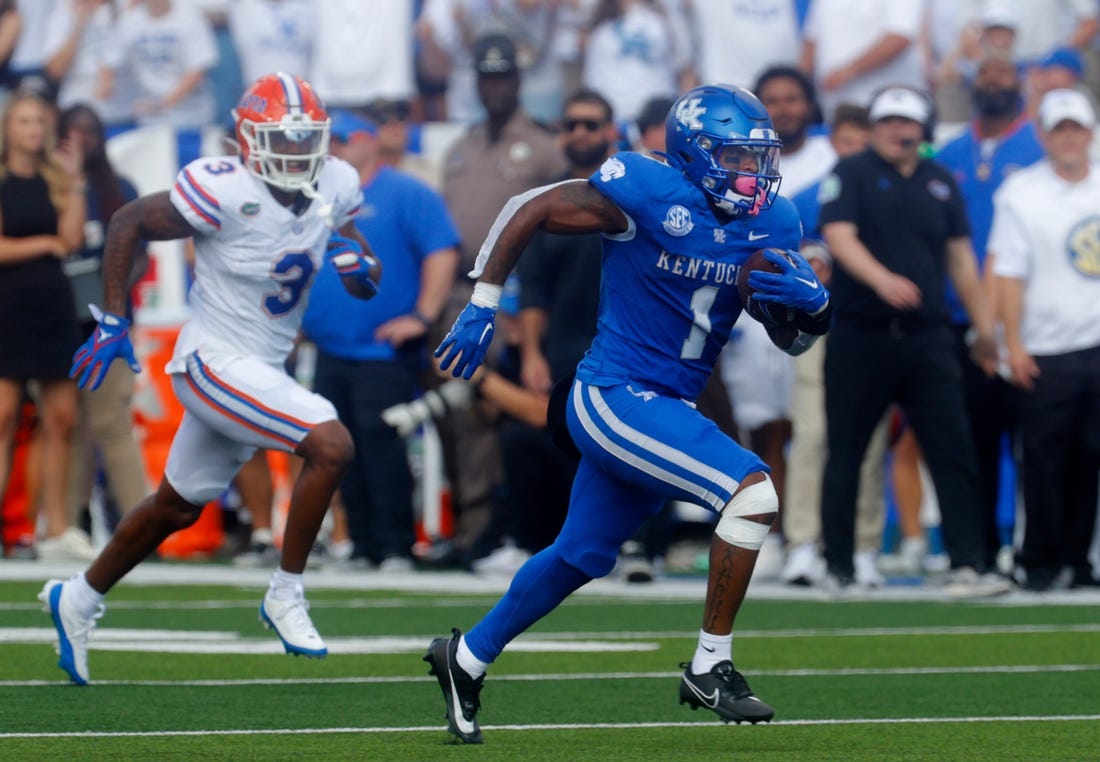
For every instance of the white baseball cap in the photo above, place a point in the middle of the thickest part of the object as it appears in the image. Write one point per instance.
(900, 101)
(1059, 105)
(999, 14)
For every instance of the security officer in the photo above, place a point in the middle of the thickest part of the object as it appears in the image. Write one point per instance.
(896, 225)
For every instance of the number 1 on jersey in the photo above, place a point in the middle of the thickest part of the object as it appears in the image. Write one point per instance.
(702, 299)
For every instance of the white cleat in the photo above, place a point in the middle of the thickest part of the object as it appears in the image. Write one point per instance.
(73, 630)
(804, 566)
(291, 622)
(868, 576)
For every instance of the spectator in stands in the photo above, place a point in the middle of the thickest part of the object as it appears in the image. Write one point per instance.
(225, 75)
(42, 213)
(395, 135)
(26, 67)
(649, 127)
(992, 32)
(449, 29)
(852, 48)
(998, 142)
(272, 35)
(107, 417)
(767, 35)
(369, 354)
(636, 50)
(496, 159)
(10, 26)
(82, 50)
(170, 47)
(1043, 25)
(1058, 69)
(362, 51)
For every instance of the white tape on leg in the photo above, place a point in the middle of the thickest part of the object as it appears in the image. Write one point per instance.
(753, 500)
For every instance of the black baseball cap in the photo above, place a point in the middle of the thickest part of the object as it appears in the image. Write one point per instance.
(495, 53)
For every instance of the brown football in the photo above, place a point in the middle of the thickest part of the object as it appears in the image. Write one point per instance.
(769, 313)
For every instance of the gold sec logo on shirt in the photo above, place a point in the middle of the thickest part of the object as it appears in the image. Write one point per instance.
(1083, 247)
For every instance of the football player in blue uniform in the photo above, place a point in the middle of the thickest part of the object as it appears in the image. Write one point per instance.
(675, 234)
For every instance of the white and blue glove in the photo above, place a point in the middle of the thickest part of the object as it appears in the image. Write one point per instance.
(467, 341)
(110, 340)
(349, 260)
(797, 286)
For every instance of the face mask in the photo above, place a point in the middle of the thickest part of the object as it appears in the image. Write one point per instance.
(996, 102)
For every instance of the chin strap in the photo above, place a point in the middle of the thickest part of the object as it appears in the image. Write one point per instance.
(325, 208)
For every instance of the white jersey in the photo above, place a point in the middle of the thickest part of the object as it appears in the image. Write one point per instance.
(255, 260)
(806, 166)
(1046, 232)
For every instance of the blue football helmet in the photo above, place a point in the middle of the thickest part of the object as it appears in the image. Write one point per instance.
(723, 140)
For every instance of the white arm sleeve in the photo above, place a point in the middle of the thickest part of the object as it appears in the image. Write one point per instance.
(506, 214)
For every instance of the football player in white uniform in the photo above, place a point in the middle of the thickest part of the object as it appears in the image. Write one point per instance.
(262, 225)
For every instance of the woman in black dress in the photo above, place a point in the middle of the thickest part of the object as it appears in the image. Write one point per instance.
(42, 211)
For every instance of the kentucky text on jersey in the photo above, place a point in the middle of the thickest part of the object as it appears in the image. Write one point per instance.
(699, 269)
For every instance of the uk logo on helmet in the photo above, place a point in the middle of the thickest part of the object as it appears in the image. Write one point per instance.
(688, 113)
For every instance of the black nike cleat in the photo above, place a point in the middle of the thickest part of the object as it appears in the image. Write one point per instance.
(460, 691)
(723, 691)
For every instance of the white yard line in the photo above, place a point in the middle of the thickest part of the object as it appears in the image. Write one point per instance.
(672, 588)
(846, 672)
(557, 726)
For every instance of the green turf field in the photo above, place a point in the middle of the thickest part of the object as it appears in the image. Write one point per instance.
(186, 672)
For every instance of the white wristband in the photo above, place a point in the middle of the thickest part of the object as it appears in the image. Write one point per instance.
(486, 295)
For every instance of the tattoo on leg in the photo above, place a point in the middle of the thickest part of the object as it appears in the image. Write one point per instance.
(722, 580)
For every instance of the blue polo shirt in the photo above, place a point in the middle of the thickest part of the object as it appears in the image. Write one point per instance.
(978, 176)
(404, 220)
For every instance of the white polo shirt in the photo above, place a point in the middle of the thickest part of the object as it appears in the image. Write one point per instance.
(1046, 232)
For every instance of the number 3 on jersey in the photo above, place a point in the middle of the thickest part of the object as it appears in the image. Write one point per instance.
(292, 270)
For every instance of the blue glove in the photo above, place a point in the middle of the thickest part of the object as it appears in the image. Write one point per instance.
(349, 260)
(110, 339)
(467, 340)
(797, 286)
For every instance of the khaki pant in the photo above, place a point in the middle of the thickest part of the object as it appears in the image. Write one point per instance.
(106, 428)
(806, 463)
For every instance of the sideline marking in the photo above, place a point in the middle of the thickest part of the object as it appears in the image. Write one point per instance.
(857, 672)
(562, 726)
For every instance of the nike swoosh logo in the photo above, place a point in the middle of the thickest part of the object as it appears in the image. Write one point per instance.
(754, 236)
(810, 283)
(710, 699)
(456, 703)
(708, 650)
(104, 335)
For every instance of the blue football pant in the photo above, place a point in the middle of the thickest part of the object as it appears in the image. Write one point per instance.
(639, 450)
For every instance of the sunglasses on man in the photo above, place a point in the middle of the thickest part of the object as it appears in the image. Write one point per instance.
(589, 125)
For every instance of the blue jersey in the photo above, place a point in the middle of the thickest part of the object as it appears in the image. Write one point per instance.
(979, 173)
(668, 294)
